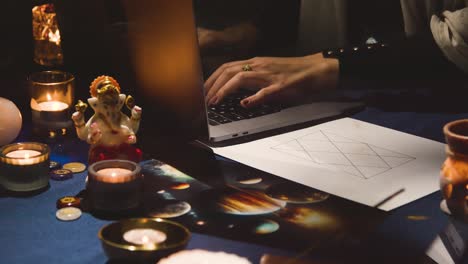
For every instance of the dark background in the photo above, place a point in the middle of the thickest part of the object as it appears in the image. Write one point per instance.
(94, 32)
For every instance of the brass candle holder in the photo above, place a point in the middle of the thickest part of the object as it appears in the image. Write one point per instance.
(143, 240)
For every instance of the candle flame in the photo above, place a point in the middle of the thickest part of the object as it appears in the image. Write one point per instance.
(45, 26)
(145, 239)
(26, 156)
(54, 36)
(49, 98)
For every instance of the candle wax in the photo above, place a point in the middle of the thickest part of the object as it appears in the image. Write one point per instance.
(114, 175)
(52, 106)
(24, 156)
(143, 236)
(23, 153)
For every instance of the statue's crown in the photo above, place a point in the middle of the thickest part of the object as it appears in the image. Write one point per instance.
(104, 85)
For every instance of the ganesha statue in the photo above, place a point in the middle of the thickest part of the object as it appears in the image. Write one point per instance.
(110, 132)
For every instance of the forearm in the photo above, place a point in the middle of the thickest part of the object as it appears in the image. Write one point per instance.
(416, 59)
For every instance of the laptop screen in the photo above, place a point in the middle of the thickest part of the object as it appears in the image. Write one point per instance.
(153, 48)
(165, 57)
(176, 45)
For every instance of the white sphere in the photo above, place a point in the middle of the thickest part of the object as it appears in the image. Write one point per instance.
(10, 121)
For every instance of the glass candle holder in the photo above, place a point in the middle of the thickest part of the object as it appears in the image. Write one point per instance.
(24, 166)
(114, 185)
(51, 100)
(46, 35)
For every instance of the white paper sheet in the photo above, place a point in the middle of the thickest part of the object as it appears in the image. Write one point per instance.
(352, 159)
(438, 252)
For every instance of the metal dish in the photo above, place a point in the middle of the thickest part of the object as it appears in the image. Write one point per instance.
(116, 247)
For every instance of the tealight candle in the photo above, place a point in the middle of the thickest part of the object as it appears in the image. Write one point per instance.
(51, 98)
(24, 157)
(144, 236)
(114, 185)
(52, 106)
(114, 175)
(25, 166)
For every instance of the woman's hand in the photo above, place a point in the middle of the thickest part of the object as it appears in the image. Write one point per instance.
(282, 79)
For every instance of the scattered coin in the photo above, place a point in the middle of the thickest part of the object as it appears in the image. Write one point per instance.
(68, 213)
(61, 174)
(68, 201)
(75, 167)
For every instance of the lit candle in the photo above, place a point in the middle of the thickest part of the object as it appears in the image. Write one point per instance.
(114, 175)
(24, 166)
(52, 106)
(24, 156)
(114, 185)
(51, 101)
(144, 236)
(49, 105)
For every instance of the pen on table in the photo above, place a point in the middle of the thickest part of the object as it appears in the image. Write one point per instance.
(393, 195)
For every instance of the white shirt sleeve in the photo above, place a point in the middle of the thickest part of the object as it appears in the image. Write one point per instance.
(450, 32)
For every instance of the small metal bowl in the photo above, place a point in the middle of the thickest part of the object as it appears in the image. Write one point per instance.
(117, 248)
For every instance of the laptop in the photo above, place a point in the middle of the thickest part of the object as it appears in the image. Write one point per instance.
(165, 53)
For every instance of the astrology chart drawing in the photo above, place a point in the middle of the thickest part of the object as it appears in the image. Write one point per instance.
(351, 156)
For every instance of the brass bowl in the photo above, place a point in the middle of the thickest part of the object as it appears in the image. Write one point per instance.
(116, 247)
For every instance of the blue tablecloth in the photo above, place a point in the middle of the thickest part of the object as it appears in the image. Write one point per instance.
(30, 232)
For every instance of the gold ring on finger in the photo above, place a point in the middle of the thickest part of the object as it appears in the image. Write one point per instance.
(247, 67)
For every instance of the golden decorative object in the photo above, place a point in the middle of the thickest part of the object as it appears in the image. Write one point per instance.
(81, 107)
(102, 84)
(130, 102)
(247, 67)
(46, 36)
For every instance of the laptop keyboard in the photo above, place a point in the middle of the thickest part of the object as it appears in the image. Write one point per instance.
(230, 110)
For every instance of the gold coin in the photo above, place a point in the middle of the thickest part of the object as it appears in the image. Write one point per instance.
(75, 167)
(68, 199)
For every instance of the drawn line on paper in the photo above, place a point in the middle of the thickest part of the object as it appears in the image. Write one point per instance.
(319, 151)
(380, 156)
(349, 155)
(343, 154)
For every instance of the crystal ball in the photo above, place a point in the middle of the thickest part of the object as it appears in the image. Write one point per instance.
(10, 121)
